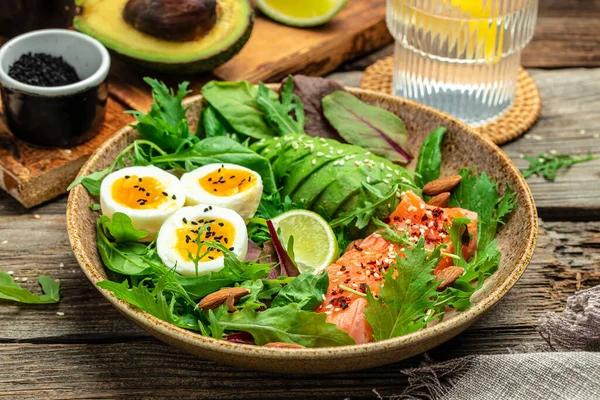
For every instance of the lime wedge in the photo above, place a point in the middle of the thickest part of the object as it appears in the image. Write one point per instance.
(305, 13)
(315, 247)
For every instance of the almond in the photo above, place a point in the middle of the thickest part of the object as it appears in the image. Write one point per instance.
(219, 297)
(441, 200)
(441, 185)
(448, 276)
(282, 345)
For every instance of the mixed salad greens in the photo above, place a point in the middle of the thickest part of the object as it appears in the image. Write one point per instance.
(319, 148)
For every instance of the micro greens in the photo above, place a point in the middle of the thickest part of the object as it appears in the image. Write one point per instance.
(548, 165)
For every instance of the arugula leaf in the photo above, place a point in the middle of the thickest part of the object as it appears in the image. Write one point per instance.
(307, 290)
(234, 271)
(237, 103)
(260, 290)
(367, 126)
(121, 228)
(219, 150)
(165, 124)
(279, 114)
(406, 295)
(154, 301)
(91, 182)
(548, 165)
(480, 194)
(365, 212)
(430, 157)
(287, 324)
(10, 290)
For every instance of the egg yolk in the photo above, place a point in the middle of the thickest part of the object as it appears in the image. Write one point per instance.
(218, 230)
(140, 192)
(227, 182)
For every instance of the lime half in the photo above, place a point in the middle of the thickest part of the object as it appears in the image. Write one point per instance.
(315, 247)
(301, 13)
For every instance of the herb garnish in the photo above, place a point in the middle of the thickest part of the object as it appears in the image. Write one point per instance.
(10, 290)
(548, 165)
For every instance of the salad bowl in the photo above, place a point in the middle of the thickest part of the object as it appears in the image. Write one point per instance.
(463, 148)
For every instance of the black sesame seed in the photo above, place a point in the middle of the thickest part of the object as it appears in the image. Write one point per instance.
(184, 220)
(210, 179)
(174, 197)
(206, 210)
(139, 179)
(165, 194)
(221, 224)
(210, 208)
(226, 241)
(231, 248)
(193, 222)
(127, 177)
(211, 258)
(147, 194)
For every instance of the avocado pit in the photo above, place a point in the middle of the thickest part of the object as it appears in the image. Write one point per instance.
(175, 20)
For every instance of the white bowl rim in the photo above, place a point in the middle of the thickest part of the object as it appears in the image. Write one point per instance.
(54, 91)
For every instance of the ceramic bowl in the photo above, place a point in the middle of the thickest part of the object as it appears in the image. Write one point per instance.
(56, 116)
(463, 147)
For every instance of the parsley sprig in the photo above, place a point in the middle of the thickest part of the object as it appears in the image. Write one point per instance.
(548, 165)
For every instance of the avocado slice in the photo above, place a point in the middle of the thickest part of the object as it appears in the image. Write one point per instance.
(103, 20)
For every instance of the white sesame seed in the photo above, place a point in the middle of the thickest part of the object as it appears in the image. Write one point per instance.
(336, 163)
(397, 172)
(323, 297)
(320, 154)
(398, 194)
(67, 151)
(346, 158)
(340, 151)
(314, 161)
(389, 175)
(521, 155)
(582, 132)
(4, 241)
(10, 272)
(16, 279)
(341, 162)
(266, 151)
(553, 151)
(24, 279)
(339, 273)
(412, 208)
(358, 163)
(596, 135)
(537, 137)
(387, 181)
(355, 285)
(60, 313)
(295, 145)
(353, 156)
(328, 306)
(336, 309)
(368, 273)
(276, 138)
(527, 136)
(61, 265)
(37, 216)
(382, 166)
(368, 179)
(376, 275)
(323, 140)
(389, 168)
(367, 153)
(327, 156)
(408, 220)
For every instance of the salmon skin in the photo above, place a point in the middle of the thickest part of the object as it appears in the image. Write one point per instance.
(363, 263)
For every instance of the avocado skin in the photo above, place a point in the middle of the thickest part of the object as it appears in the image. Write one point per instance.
(178, 68)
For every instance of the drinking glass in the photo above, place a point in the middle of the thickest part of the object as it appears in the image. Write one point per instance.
(460, 56)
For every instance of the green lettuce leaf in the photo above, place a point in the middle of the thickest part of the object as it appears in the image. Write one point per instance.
(285, 116)
(287, 324)
(121, 229)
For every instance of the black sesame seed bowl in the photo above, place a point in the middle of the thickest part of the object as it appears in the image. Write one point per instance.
(54, 87)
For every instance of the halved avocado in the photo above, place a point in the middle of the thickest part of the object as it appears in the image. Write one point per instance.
(103, 20)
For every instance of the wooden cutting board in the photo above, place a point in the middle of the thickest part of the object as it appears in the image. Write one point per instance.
(33, 175)
(275, 51)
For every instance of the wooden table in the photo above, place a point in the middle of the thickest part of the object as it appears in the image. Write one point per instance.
(93, 352)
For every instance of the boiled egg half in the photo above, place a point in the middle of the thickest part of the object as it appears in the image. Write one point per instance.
(178, 241)
(225, 185)
(148, 195)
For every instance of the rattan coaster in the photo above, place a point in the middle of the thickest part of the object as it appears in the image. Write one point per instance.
(515, 122)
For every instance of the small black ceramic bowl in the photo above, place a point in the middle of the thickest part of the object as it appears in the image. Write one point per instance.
(57, 116)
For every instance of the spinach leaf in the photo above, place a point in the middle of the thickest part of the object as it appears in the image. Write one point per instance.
(287, 324)
(211, 123)
(430, 157)
(280, 115)
(237, 103)
(10, 290)
(219, 150)
(406, 294)
(307, 290)
(367, 126)
(121, 228)
(123, 258)
(260, 290)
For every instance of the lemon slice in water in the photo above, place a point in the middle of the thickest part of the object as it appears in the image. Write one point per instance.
(301, 13)
(315, 247)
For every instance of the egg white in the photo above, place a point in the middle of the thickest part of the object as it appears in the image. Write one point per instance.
(244, 203)
(167, 242)
(148, 220)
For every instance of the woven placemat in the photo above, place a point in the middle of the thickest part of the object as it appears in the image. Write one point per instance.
(514, 123)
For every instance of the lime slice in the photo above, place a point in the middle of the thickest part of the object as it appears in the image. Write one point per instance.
(303, 13)
(315, 247)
